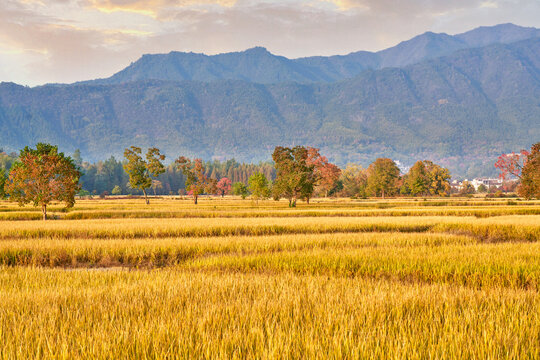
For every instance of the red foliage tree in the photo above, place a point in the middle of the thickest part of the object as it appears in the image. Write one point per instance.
(41, 176)
(224, 186)
(511, 164)
(325, 174)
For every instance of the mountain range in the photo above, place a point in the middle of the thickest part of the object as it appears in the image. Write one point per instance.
(260, 66)
(459, 100)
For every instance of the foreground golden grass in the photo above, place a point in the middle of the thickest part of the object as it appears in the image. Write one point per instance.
(176, 314)
(336, 279)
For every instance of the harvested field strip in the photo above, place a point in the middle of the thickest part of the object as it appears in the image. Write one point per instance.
(300, 213)
(504, 228)
(481, 265)
(428, 258)
(227, 205)
(170, 251)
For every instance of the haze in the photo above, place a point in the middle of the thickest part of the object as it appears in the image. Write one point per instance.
(70, 40)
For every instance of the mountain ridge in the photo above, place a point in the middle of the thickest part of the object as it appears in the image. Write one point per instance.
(460, 110)
(259, 65)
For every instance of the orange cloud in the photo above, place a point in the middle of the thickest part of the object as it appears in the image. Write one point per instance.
(349, 4)
(151, 8)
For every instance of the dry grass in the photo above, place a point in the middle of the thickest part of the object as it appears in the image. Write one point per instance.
(397, 279)
(176, 314)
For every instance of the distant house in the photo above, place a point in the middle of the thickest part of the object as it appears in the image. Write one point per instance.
(487, 182)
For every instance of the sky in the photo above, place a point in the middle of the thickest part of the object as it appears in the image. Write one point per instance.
(63, 41)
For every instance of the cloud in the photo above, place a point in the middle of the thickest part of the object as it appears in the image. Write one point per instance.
(151, 8)
(69, 40)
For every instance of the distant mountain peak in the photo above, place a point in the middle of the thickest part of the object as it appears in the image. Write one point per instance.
(257, 50)
(258, 65)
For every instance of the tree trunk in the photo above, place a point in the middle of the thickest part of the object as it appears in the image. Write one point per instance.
(44, 211)
(383, 194)
(195, 197)
(145, 197)
(307, 200)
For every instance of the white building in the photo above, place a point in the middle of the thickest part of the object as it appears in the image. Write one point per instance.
(488, 183)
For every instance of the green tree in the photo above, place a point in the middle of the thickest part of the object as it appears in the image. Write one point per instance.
(142, 171)
(354, 181)
(3, 179)
(240, 189)
(294, 177)
(417, 180)
(425, 178)
(43, 175)
(482, 189)
(117, 190)
(383, 175)
(258, 186)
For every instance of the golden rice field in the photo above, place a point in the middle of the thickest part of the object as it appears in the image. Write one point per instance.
(232, 279)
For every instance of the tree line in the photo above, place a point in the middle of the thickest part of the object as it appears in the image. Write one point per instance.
(43, 175)
(109, 176)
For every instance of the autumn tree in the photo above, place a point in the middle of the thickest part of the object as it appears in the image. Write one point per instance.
(467, 188)
(41, 176)
(294, 175)
(142, 171)
(383, 175)
(211, 187)
(325, 174)
(224, 186)
(240, 189)
(196, 180)
(438, 179)
(511, 164)
(258, 185)
(354, 181)
(530, 174)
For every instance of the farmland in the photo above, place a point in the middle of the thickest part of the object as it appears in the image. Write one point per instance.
(229, 278)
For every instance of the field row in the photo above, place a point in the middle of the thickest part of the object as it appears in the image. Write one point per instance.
(503, 228)
(163, 214)
(231, 204)
(427, 258)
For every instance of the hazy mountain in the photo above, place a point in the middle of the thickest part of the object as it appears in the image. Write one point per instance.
(462, 110)
(260, 66)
